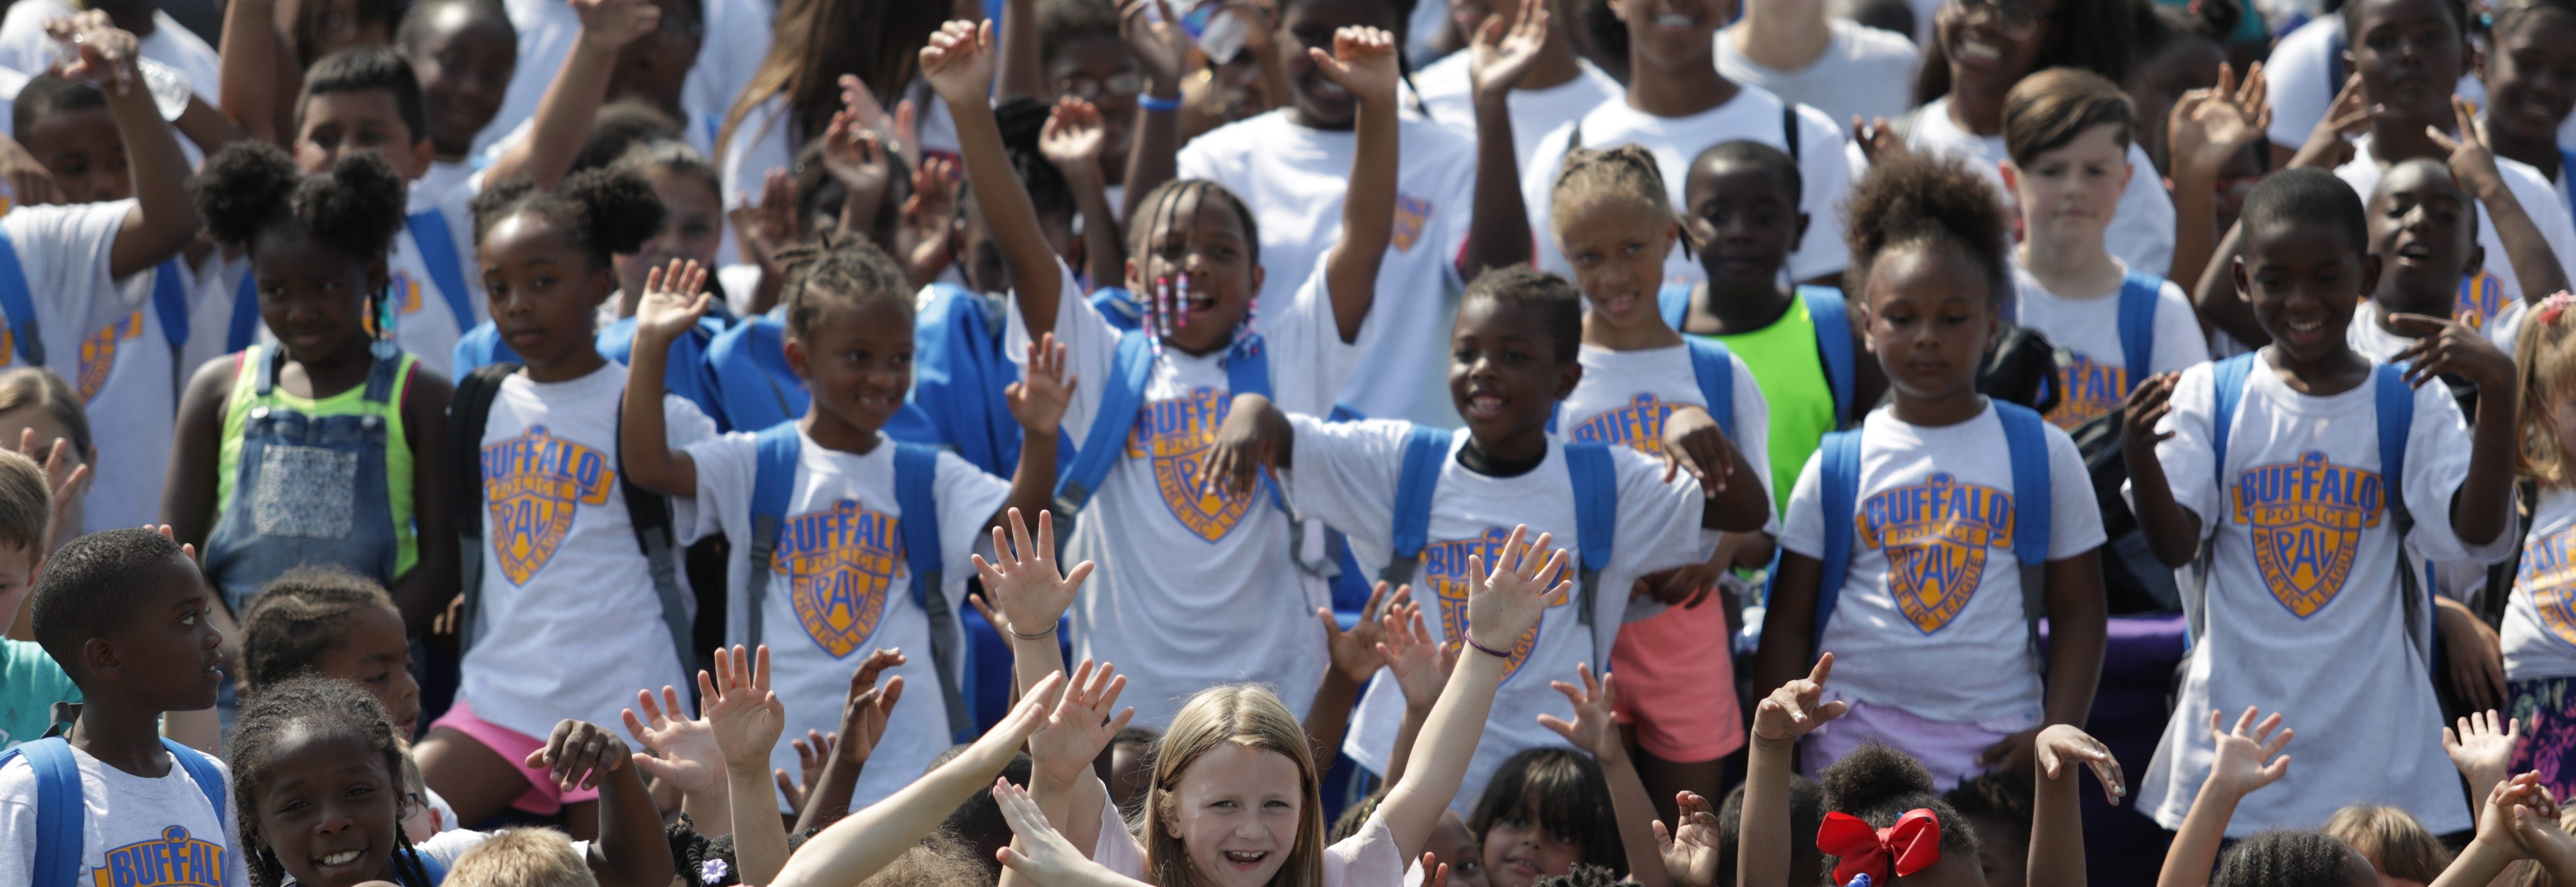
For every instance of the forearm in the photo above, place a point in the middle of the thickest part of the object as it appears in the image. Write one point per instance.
(1634, 809)
(1762, 857)
(2216, 297)
(2078, 629)
(160, 175)
(1788, 626)
(2194, 853)
(643, 444)
(2533, 263)
(828, 799)
(1744, 506)
(710, 811)
(1368, 219)
(564, 118)
(857, 847)
(1008, 214)
(1019, 73)
(1498, 234)
(2057, 828)
(2484, 503)
(1153, 158)
(2478, 864)
(1438, 762)
(1407, 732)
(425, 590)
(2172, 531)
(206, 126)
(1104, 245)
(1033, 481)
(1330, 715)
(632, 850)
(248, 92)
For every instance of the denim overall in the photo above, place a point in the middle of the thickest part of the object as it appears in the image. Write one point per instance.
(308, 489)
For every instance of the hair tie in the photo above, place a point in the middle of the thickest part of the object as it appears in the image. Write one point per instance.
(2552, 307)
(1911, 845)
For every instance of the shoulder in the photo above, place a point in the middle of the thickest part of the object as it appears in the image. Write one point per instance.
(1239, 137)
(2310, 39)
(2527, 183)
(1818, 126)
(213, 381)
(1872, 44)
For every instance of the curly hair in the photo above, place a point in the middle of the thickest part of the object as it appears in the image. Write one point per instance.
(2286, 859)
(1559, 304)
(835, 272)
(603, 211)
(1914, 199)
(1878, 784)
(249, 188)
(297, 617)
(315, 704)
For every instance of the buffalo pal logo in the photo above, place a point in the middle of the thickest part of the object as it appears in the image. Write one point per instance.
(2307, 519)
(2481, 298)
(2087, 389)
(1178, 435)
(839, 563)
(176, 860)
(1412, 217)
(98, 353)
(405, 292)
(1444, 565)
(1936, 534)
(1638, 425)
(2548, 574)
(533, 483)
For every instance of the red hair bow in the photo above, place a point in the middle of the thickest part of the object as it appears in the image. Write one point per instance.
(2553, 306)
(1911, 845)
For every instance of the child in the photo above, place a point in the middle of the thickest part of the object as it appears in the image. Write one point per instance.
(1678, 104)
(89, 312)
(2525, 109)
(36, 406)
(1085, 57)
(1560, 87)
(821, 530)
(336, 624)
(692, 229)
(527, 857)
(2425, 227)
(125, 613)
(30, 682)
(320, 797)
(2539, 636)
(332, 417)
(800, 83)
(1925, 587)
(1648, 389)
(2067, 130)
(540, 477)
(1425, 499)
(1214, 614)
(1997, 805)
(1962, 99)
(2398, 847)
(1798, 51)
(463, 52)
(1545, 811)
(27, 44)
(323, 27)
(2181, 49)
(2303, 570)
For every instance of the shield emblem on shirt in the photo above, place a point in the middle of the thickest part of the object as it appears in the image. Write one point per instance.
(2481, 298)
(1933, 580)
(1178, 435)
(1936, 534)
(532, 485)
(98, 353)
(839, 564)
(1444, 567)
(2547, 573)
(2307, 519)
(1412, 217)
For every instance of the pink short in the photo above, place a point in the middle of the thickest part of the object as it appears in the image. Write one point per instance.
(541, 798)
(1677, 684)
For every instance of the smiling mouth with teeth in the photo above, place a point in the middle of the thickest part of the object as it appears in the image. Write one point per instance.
(343, 857)
(1246, 857)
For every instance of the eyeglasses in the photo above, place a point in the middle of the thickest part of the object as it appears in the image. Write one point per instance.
(674, 27)
(2018, 20)
(1124, 84)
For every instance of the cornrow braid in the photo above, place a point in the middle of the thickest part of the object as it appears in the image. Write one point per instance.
(274, 713)
(1164, 293)
(1627, 172)
(836, 271)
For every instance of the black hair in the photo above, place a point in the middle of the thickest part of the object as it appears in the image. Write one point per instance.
(361, 68)
(1062, 23)
(2441, 172)
(1914, 198)
(2285, 859)
(307, 34)
(2160, 24)
(338, 706)
(620, 126)
(1559, 304)
(2005, 795)
(1021, 119)
(92, 587)
(2457, 11)
(2308, 196)
(1160, 208)
(417, 18)
(1879, 784)
(838, 272)
(1356, 816)
(2090, 34)
(1756, 154)
(1565, 786)
(2515, 14)
(1806, 815)
(690, 853)
(979, 822)
(250, 187)
(1599, 29)
(297, 617)
(604, 212)
(1582, 875)
(46, 94)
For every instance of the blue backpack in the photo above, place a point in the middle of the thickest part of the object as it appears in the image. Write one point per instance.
(916, 470)
(18, 300)
(959, 373)
(2026, 442)
(1119, 307)
(428, 230)
(61, 815)
(1596, 516)
(2138, 324)
(687, 375)
(1833, 343)
(1122, 395)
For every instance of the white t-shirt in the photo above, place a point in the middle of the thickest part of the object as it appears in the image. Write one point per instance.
(1625, 396)
(210, 311)
(160, 832)
(1754, 114)
(1294, 179)
(1193, 590)
(2540, 619)
(2142, 226)
(764, 140)
(2368, 337)
(1450, 97)
(2304, 615)
(25, 48)
(105, 338)
(847, 590)
(1347, 474)
(1864, 71)
(2088, 327)
(1893, 629)
(571, 626)
(2539, 199)
(1368, 858)
(2300, 75)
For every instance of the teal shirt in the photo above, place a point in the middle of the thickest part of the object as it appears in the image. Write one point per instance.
(30, 684)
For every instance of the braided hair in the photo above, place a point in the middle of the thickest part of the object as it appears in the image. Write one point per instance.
(838, 271)
(298, 616)
(1626, 171)
(313, 702)
(1163, 293)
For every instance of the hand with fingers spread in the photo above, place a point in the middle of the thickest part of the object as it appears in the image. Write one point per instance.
(677, 749)
(959, 61)
(1593, 730)
(1420, 663)
(674, 299)
(2470, 160)
(66, 476)
(747, 717)
(1354, 653)
(1062, 747)
(1040, 853)
(2329, 145)
(580, 755)
(1690, 852)
(1023, 581)
(765, 229)
(1797, 707)
(1248, 443)
(2063, 746)
(2482, 747)
(1074, 138)
(813, 753)
(922, 239)
(2209, 127)
(2449, 347)
(2147, 405)
(857, 157)
(899, 131)
(1161, 46)
(866, 709)
(1436, 873)
(1693, 443)
(1504, 51)
(2249, 756)
(1362, 61)
(1044, 391)
(1505, 605)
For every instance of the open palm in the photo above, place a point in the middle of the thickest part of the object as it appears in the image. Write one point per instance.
(747, 717)
(677, 749)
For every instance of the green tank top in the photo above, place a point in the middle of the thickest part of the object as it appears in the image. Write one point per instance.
(353, 402)
(1791, 373)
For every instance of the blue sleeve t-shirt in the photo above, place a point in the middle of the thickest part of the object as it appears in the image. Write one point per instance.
(30, 684)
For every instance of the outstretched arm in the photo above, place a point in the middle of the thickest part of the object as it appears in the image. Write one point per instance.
(674, 299)
(2248, 758)
(248, 92)
(1797, 707)
(2209, 128)
(1593, 730)
(2057, 816)
(1038, 402)
(747, 718)
(959, 64)
(1072, 141)
(1499, 235)
(2483, 505)
(162, 222)
(631, 850)
(571, 103)
(1363, 61)
(2474, 166)
(1163, 50)
(864, 712)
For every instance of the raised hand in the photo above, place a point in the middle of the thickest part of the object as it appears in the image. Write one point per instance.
(1878, 139)
(1154, 33)
(2065, 745)
(1793, 710)
(579, 755)
(1362, 61)
(674, 299)
(608, 25)
(865, 710)
(2445, 347)
(959, 62)
(2146, 405)
(1039, 400)
(1594, 729)
(677, 749)
(102, 53)
(2208, 127)
(2536, 829)
(747, 717)
(922, 240)
(2240, 765)
(2509, 812)
(764, 229)
(900, 130)
(2483, 746)
(1691, 853)
(2469, 158)
(1025, 583)
(1063, 745)
(857, 157)
(2327, 146)
(1506, 604)
(1420, 663)
(1040, 853)
(1504, 51)
(1073, 138)
(1355, 652)
(66, 474)
(1693, 442)
(812, 752)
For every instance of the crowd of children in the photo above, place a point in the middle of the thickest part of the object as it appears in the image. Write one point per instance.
(826, 443)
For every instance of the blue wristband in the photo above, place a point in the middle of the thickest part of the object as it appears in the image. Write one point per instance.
(1164, 106)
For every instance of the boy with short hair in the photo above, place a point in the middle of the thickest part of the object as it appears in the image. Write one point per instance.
(127, 614)
(464, 53)
(30, 682)
(523, 857)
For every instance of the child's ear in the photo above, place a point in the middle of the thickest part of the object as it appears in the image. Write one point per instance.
(796, 360)
(1568, 375)
(424, 154)
(2370, 268)
(2245, 292)
(1860, 313)
(99, 657)
(2477, 260)
(603, 284)
(1799, 236)
(2127, 169)
(1258, 275)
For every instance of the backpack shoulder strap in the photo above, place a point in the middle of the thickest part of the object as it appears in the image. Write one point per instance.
(446, 266)
(2396, 407)
(468, 411)
(170, 301)
(2567, 168)
(2228, 378)
(1839, 475)
(202, 770)
(1596, 528)
(1714, 366)
(2138, 296)
(916, 476)
(1789, 129)
(2026, 444)
(58, 792)
(649, 514)
(774, 454)
(1825, 309)
(1419, 478)
(1120, 396)
(1673, 300)
(18, 300)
